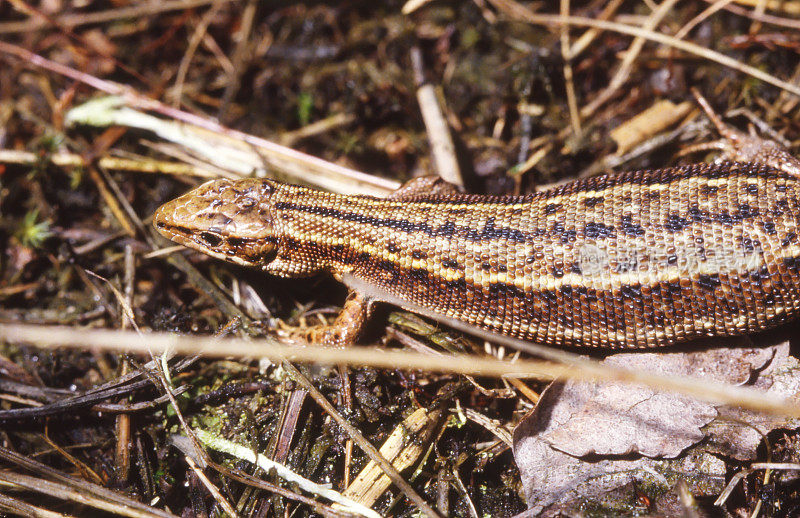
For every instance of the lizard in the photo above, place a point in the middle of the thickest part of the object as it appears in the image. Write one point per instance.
(640, 259)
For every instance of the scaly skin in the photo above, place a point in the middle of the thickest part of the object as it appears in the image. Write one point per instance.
(636, 260)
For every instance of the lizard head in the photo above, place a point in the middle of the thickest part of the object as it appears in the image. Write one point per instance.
(226, 219)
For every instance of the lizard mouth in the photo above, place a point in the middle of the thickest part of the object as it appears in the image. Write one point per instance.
(245, 251)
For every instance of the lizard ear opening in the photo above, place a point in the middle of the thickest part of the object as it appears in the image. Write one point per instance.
(268, 255)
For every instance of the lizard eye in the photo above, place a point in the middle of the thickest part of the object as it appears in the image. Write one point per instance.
(211, 239)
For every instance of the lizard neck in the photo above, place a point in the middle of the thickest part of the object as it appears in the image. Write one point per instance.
(321, 231)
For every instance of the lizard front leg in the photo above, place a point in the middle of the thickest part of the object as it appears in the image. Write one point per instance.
(348, 324)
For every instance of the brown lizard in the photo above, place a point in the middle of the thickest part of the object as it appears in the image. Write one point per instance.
(633, 260)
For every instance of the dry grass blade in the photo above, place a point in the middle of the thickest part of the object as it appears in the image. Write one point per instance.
(77, 20)
(144, 165)
(520, 12)
(694, 22)
(220, 444)
(575, 367)
(285, 159)
(225, 148)
(624, 70)
(442, 147)
(69, 488)
(582, 43)
(212, 489)
(207, 287)
(111, 503)
(403, 447)
(572, 100)
(375, 456)
(18, 507)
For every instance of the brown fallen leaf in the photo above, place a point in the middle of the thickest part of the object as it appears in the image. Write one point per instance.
(658, 117)
(592, 440)
(738, 433)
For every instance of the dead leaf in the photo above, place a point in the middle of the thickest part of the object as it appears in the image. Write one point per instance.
(555, 482)
(658, 117)
(620, 418)
(738, 433)
(591, 440)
